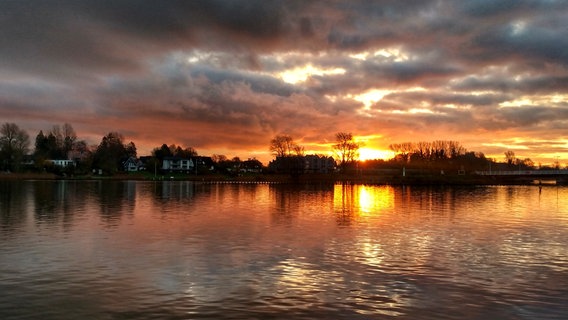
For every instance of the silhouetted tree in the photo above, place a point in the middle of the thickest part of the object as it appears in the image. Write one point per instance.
(131, 149)
(57, 144)
(299, 151)
(346, 149)
(219, 158)
(162, 152)
(14, 144)
(283, 146)
(179, 151)
(69, 139)
(510, 157)
(41, 152)
(110, 153)
(402, 151)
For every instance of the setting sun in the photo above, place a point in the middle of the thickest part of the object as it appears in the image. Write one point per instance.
(372, 154)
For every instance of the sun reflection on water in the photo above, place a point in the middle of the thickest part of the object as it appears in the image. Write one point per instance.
(362, 200)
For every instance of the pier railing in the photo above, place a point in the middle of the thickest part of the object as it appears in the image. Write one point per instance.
(522, 172)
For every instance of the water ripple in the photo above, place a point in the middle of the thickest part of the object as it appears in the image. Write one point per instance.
(179, 250)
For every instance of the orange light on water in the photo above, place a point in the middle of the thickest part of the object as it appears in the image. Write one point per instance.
(364, 201)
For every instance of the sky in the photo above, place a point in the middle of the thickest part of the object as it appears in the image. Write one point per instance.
(225, 77)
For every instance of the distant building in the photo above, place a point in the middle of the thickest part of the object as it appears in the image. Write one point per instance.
(204, 162)
(60, 163)
(132, 164)
(319, 164)
(178, 164)
(251, 165)
(303, 164)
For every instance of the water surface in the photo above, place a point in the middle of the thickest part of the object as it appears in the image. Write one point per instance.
(184, 250)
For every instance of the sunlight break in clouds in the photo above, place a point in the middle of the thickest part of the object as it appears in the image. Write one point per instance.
(298, 75)
(368, 98)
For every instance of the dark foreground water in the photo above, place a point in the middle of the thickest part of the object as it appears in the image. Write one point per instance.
(179, 250)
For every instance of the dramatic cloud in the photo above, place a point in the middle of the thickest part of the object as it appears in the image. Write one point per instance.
(226, 76)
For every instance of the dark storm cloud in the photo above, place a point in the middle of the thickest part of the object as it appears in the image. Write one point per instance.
(258, 83)
(532, 116)
(70, 37)
(532, 43)
(530, 85)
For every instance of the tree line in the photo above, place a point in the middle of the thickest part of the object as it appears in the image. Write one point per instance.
(108, 157)
(61, 142)
(290, 156)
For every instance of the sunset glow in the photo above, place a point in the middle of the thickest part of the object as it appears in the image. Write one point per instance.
(223, 78)
(372, 154)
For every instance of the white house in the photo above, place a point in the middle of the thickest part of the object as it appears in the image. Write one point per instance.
(177, 164)
(61, 163)
(132, 164)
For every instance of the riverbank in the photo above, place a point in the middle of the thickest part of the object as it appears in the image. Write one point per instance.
(281, 178)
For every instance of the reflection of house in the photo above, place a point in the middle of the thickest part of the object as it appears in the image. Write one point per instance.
(60, 163)
(132, 164)
(177, 164)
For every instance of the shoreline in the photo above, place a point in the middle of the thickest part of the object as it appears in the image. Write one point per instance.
(462, 180)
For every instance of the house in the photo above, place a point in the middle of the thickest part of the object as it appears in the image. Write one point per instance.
(319, 164)
(28, 160)
(132, 164)
(205, 163)
(251, 165)
(303, 164)
(60, 163)
(178, 164)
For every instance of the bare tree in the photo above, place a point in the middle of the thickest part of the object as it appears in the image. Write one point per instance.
(299, 150)
(402, 150)
(283, 146)
(218, 158)
(510, 156)
(14, 144)
(69, 138)
(346, 149)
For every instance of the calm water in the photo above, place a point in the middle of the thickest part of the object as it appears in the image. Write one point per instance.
(179, 250)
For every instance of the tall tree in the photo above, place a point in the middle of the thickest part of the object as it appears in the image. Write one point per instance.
(41, 146)
(69, 138)
(283, 146)
(510, 157)
(179, 151)
(346, 148)
(162, 152)
(14, 144)
(131, 149)
(110, 153)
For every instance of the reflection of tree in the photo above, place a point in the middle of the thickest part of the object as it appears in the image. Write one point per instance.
(445, 199)
(286, 203)
(56, 200)
(111, 197)
(289, 200)
(12, 204)
(167, 196)
(169, 192)
(344, 199)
